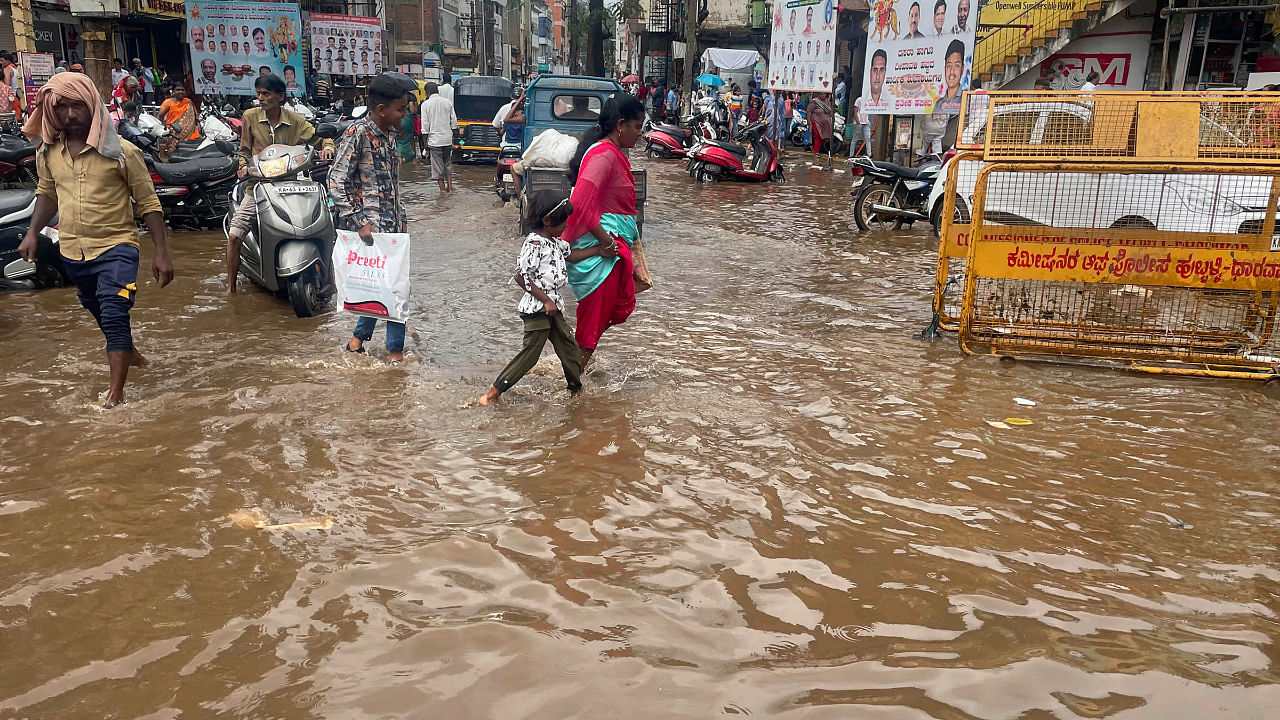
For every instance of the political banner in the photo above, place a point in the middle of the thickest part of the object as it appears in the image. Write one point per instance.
(37, 68)
(919, 56)
(346, 44)
(232, 43)
(802, 50)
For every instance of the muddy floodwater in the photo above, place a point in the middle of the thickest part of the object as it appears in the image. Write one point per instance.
(770, 499)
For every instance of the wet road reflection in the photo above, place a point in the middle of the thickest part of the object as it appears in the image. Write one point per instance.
(769, 500)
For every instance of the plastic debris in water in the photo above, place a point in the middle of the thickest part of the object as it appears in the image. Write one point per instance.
(1025, 402)
(1017, 421)
(998, 425)
(256, 518)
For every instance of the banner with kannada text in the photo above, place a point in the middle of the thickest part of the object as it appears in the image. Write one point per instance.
(919, 56)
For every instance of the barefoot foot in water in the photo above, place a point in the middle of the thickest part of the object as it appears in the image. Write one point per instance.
(136, 359)
(490, 397)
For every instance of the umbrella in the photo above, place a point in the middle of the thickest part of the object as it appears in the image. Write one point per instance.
(709, 79)
(630, 79)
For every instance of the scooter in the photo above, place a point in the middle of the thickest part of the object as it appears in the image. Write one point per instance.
(799, 132)
(16, 209)
(671, 141)
(713, 160)
(288, 247)
(886, 194)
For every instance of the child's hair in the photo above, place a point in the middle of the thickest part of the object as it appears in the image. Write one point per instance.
(384, 90)
(548, 207)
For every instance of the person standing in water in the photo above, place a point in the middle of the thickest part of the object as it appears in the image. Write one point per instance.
(604, 220)
(364, 185)
(541, 270)
(92, 179)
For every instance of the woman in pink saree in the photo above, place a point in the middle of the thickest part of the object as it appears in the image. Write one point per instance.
(603, 223)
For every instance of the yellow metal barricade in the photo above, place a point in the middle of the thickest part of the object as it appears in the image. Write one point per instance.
(953, 240)
(1159, 267)
(1121, 127)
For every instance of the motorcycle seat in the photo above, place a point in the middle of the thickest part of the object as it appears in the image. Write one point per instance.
(190, 171)
(673, 130)
(194, 153)
(734, 148)
(12, 201)
(13, 150)
(906, 172)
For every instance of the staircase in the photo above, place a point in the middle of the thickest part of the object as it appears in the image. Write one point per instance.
(1035, 34)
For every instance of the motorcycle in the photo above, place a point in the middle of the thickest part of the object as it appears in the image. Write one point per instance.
(289, 246)
(885, 193)
(17, 161)
(16, 209)
(713, 160)
(195, 185)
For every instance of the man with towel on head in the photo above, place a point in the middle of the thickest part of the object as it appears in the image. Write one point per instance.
(92, 179)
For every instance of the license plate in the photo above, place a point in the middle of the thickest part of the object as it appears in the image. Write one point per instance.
(857, 182)
(507, 177)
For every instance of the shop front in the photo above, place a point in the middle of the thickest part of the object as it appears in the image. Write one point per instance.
(154, 32)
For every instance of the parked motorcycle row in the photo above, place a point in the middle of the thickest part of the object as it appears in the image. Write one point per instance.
(286, 252)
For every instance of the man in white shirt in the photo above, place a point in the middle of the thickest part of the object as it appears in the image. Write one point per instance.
(863, 120)
(499, 120)
(118, 72)
(439, 123)
(1089, 81)
(446, 89)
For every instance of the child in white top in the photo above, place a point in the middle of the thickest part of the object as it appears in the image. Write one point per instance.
(541, 270)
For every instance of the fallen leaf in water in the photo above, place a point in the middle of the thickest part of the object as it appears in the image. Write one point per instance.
(998, 425)
(256, 518)
(1017, 421)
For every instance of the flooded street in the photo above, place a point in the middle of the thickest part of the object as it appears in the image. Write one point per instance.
(769, 500)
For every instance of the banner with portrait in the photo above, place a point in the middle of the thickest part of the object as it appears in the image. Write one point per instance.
(346, 44)
(919, 56)
(802, 48)
(232, 43)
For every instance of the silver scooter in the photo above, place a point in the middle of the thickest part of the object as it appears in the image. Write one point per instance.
(289, 247)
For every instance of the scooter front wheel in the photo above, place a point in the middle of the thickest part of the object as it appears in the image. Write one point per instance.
(304, 293)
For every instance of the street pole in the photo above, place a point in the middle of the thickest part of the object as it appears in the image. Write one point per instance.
(690, 48)
(96, 37)
(528, 37)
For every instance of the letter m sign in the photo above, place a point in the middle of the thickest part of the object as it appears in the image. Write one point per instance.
(1112, 69)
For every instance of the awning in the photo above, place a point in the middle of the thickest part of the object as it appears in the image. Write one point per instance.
(730, 59)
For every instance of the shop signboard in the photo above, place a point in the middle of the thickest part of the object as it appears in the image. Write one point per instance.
(36, 68)
(802, 48)
(919, 56)
(347, 45)
(175, 9)
(232, 43)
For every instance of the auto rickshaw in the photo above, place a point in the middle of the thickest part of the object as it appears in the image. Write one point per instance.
(476, 99)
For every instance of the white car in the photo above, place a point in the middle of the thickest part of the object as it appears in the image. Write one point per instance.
(1199, 203)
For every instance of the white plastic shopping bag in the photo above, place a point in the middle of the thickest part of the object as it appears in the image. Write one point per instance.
(550, 148)
(372, 280)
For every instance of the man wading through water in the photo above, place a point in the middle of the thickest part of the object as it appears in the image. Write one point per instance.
(88, 176)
